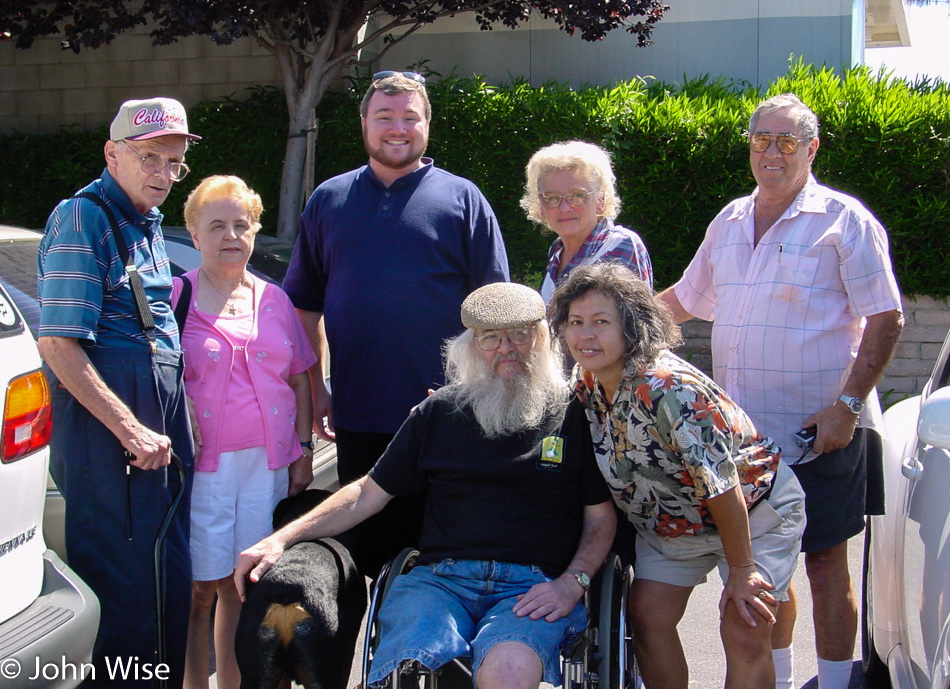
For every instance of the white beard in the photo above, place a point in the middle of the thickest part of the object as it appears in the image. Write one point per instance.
(508, 406)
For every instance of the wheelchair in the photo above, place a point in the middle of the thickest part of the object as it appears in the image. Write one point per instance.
(600, 657)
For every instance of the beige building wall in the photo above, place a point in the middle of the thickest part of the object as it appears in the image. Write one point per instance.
(46, 87)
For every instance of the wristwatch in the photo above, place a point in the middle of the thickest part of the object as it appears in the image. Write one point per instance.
(581, 577)
(854, 404)
(307, 445)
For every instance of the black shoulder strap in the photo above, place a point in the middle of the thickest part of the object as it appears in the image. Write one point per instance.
(135, 281)
(184, 301)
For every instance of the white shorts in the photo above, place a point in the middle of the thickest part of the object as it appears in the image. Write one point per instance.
(231, 509)
(776, 526)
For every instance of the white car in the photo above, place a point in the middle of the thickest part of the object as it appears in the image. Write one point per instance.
(48, 616)
(906, 607)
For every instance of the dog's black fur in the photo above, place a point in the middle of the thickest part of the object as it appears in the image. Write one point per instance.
(301, 620)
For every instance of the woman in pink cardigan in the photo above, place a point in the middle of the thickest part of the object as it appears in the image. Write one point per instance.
(246, 375)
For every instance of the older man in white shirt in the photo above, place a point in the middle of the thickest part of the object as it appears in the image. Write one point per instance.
(806, 312)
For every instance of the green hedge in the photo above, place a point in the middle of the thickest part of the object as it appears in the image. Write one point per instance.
(679, 154)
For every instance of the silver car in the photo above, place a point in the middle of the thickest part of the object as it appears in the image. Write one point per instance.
(906, 610)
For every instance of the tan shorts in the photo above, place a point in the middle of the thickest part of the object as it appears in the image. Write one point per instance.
(776, 526)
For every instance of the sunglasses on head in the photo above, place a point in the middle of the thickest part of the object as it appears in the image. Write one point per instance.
(415, 76)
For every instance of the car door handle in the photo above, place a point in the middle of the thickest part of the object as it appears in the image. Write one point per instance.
(912, 469)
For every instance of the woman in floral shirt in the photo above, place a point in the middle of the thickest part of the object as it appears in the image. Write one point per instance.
(689, 470)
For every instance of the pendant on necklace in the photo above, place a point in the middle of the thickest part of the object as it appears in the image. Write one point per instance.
(231, 310)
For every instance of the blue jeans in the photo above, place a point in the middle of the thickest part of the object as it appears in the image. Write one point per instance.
(457, 608)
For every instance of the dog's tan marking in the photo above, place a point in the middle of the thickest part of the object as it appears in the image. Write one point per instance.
(283, 618)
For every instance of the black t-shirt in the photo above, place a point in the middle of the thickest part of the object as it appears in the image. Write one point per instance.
(517, 498)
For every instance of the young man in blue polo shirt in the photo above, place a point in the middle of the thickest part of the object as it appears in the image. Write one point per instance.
(118, 396)
(385, 256)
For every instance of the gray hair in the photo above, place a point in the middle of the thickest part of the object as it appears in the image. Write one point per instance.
(591, 161)
(646, 322)
(807, 120)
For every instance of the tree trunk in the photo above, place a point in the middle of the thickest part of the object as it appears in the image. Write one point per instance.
(291, 178)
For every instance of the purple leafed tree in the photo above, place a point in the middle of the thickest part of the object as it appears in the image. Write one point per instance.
(311, 39)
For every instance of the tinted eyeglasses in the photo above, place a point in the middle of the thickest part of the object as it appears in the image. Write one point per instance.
(787, 144)
(415, 76)
(575, 199)
(490, 340)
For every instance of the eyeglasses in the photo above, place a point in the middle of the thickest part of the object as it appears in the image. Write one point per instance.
(787, 144)
(490, 340)
(415, 76)
(575, 199)
(153, 165)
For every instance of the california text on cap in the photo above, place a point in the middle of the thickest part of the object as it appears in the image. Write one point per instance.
(502, 305)
(146, 119)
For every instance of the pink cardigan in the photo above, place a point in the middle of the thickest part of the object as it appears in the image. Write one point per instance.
(277, 349)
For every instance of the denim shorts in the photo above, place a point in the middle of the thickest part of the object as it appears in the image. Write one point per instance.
(456, 608)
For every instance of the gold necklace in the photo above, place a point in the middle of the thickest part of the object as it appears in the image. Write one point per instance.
(228, 298)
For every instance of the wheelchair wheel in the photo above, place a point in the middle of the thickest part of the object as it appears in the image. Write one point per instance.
(616, 668)
(402, 563)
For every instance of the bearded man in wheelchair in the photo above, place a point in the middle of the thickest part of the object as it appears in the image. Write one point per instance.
(518, 517)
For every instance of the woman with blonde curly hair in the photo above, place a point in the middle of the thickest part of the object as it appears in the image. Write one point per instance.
(570, 190)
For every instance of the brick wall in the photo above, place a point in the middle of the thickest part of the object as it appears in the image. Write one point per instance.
(45, 87)
(926, 322)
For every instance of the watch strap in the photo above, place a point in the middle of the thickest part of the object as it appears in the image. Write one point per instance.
(854, 404)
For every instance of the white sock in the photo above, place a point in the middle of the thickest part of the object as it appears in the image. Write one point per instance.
(784, 661)
(834, 674)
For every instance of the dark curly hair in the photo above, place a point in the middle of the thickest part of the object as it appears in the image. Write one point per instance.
(646, 322)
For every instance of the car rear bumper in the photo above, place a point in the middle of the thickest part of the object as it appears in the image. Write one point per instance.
(55, 634)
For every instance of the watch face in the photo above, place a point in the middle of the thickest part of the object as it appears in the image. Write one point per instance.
(854, 404)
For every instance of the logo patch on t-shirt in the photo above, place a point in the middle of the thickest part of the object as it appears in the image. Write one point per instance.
(552, 453)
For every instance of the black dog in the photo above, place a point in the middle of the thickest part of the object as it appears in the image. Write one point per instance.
(301, 620)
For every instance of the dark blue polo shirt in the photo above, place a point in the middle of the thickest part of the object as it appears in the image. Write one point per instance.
(389, 269)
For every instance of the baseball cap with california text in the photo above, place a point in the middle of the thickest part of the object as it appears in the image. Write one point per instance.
(147, 119)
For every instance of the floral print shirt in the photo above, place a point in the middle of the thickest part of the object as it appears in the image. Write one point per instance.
(670, 440)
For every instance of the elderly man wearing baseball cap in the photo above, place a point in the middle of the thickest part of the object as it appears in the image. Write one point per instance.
(110, 344)
(516, 506)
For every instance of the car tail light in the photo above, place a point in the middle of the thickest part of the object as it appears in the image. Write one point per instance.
(27, 421)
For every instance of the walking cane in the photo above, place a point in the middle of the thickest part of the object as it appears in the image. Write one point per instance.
(158, 562)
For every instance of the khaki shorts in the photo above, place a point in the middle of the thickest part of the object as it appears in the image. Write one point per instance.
(776, 526)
